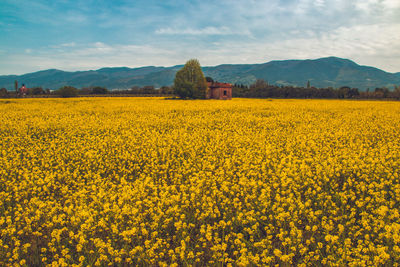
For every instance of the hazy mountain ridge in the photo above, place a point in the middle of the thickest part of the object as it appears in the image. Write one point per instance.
(324, 72)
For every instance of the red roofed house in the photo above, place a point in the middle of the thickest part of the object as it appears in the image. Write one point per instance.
(218, 90)
(23, 90)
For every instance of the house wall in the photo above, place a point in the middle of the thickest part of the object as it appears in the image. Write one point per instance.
(221, 94)
(218, 92)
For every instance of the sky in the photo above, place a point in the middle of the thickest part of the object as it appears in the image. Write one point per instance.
(86, 35)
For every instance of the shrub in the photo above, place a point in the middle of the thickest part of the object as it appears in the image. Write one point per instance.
(67, 91)
(99, 90)
(36, 91)
(3, 92)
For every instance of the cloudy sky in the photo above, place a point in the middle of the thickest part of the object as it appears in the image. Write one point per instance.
(82, 35)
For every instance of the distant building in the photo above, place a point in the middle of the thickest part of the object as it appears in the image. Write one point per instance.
(218, 90)
(23, 90)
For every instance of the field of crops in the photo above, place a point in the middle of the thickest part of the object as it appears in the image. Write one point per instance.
(147, 181)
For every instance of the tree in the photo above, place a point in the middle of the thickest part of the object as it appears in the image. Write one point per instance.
(149, 89)
(3, 92)
(36, 91)
(209, 79)
(353, 92)
(343, 92)
(85, 91)
(166, 90)
(97, 90)
(381, 92)
(396, 92)
(259, 84)
(189, 81)
(67, 91)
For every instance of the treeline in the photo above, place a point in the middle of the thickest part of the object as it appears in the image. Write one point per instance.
(146, 90)
(261, 89)
(31, 91)
(70, 91)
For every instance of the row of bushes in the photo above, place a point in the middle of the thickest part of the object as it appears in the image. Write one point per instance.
(70, 91)
(261, 89)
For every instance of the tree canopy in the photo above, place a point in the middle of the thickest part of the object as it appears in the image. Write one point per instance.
(190, 81)
(67, 91)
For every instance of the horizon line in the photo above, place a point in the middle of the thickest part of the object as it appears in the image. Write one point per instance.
(205, 66)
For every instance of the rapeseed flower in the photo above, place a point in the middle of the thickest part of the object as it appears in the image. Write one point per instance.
(149, 181)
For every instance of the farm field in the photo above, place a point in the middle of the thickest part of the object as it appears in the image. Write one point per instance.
(149, 181)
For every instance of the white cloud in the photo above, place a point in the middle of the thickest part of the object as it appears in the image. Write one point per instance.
(371, 5)
(391, 4)
(72, 44)
(319, 3)
(92, 56)
(63, 45)
(223, 30)
(75, 17)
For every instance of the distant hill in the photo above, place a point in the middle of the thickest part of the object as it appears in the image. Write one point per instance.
(324, 72)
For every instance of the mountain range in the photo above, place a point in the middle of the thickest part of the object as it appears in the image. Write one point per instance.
(324, 72)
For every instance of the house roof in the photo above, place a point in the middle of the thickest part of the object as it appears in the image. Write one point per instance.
(220, 85)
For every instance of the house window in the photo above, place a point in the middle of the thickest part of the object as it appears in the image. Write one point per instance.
(225, 92)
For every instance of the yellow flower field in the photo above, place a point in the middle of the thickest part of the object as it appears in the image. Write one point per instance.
(149, 181)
